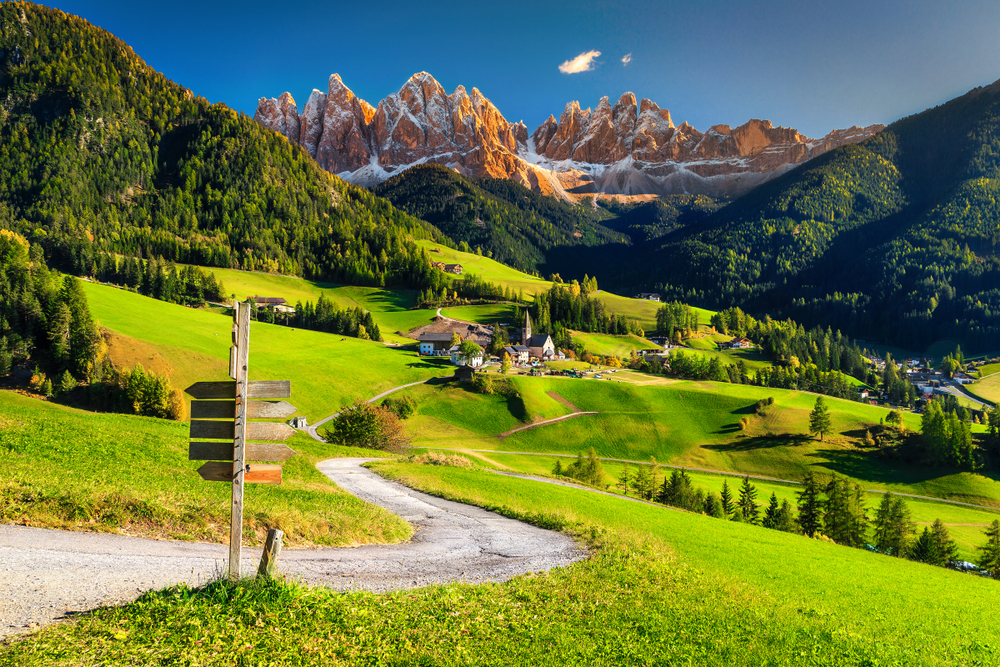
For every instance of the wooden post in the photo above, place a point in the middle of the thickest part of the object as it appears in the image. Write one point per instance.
(241, 359)
(272, 548)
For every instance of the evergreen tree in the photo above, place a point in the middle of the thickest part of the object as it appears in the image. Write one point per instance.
(748, 502)
(726, 498)
(786, 518)
(934, 546)
(624, 479)
(771, 513)
(819, 419)
(893, 526)
(713, 506)
(810, 506)
(845, 520)
(989, 553)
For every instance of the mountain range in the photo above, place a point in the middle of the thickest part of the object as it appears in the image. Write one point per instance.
(628, 148)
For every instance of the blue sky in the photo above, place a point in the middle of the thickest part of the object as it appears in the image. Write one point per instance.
(815, 66)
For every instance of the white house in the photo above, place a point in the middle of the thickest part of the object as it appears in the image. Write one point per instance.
(435, 344)
(459, 360)
(518, 353)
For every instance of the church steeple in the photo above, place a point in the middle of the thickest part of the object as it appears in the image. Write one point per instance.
(526, 334)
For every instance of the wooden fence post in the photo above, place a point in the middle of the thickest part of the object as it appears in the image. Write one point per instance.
(272, 548)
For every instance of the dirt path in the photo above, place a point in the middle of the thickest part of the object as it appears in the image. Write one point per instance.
(543, 423)
(48, 575)
(565, 401)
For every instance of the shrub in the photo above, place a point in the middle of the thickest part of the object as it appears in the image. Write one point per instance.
(437, 459)
(403, 407)
(369, 426)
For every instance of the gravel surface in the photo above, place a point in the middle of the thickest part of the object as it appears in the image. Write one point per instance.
(47, 575)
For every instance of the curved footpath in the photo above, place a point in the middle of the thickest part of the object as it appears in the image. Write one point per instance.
(46, 575)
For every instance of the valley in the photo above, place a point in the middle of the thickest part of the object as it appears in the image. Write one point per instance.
(612, 391)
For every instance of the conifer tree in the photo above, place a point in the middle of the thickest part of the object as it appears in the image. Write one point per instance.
(819, 419)
(748, 502)
(989, 556)
(713, 506)
(786, 518)
(810, 506)
(726, 498)
(771, 513)
(893, 526)
(624, 479)
(946, 548)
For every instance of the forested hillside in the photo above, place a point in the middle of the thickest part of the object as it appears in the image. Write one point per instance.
(894, 238)
(518, 226)
(100, 153)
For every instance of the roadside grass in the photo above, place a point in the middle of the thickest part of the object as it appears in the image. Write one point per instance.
(663, 587)
(327, 371)
(607, 345)
(693, 424)
(66, 468)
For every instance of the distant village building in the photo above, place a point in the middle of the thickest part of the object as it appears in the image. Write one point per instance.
(465, 374)
(453, 268)
(275, 303)
(457, 358)
(739, 344)
(540, 346)
(518, 353)
(434, 344)
(648, 296)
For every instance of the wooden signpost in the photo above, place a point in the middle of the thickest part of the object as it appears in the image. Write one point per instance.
(220, 413)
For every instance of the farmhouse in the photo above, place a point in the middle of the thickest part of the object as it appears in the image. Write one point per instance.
(518, 353)
(738, 344)
(273, 303)
(648, 296)
(434, 344)
(453, 268)
(457, 358)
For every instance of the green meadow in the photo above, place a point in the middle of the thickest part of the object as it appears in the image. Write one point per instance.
(988, 388)
(67, 468)
(662, 587)
(607, 345)
(684, 423)
(326, 371)
(487, 268)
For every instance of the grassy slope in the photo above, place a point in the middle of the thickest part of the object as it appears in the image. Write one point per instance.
(66, 468)
(686, 423)
(645, 311)
(390, 308)
(488, 269)
(988, 388)
(664, 587)
(619, 346)
(326, 371)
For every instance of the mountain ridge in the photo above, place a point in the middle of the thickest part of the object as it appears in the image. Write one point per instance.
(632, 148)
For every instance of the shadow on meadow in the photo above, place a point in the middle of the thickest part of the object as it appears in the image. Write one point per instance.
(750, 443)
(870, 467)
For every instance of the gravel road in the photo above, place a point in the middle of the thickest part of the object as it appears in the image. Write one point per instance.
(47, 575)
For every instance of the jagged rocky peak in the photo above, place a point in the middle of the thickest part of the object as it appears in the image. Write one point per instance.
(281, 115)
(628, 147)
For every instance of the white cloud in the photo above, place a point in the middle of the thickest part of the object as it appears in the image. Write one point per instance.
(626, 59)
(582, 63)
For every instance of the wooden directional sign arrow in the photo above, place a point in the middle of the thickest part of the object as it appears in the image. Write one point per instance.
(226, 430)
(257, 473)
(255, 451)
(255, 409)
(265, 389)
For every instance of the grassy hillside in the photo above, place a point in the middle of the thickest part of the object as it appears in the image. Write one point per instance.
(65, 468)
(606, 344)
(988, 388)
(326, 371)
(487, 268)
(686, 423)
(663, 587)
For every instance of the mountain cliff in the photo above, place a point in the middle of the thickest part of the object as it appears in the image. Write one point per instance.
(630, 148)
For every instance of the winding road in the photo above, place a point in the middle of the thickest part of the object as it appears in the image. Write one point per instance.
(48, 575)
